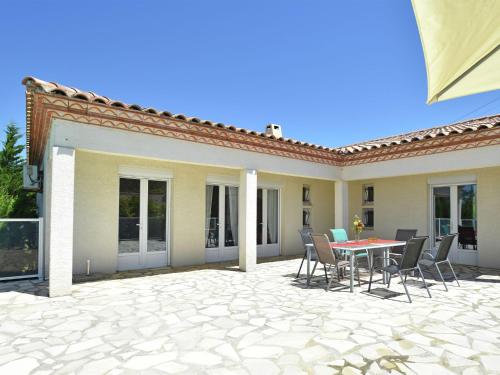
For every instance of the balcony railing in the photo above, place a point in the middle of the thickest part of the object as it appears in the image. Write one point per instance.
(442, 226)
(21, 248)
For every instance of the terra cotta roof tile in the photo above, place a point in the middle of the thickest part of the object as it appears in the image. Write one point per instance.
(416, 136)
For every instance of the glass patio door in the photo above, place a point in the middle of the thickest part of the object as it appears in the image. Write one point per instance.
(268, 222)
(454, 210)
(142, 223)
(221, 223)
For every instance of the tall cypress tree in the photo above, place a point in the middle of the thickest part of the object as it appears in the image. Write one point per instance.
(14, 200)
(11, 154)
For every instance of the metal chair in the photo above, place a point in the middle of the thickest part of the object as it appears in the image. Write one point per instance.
(441, 257)
(326, 256)
(409, 263)
(305, 235)
(339, 235)
(466, 237)
(402, 235)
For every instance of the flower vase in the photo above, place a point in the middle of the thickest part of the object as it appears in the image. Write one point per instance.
(357, 236)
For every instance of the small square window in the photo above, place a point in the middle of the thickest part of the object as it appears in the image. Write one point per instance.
(368, 195)
(306, 217)
(306, 194)
(368, 218)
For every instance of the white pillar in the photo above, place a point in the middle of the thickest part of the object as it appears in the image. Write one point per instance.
(247, 221)
(61, 221)
(342, 205)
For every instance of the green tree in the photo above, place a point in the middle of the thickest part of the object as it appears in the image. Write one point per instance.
(14, 200)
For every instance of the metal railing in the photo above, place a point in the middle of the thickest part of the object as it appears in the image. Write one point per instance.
(21, 248)
(442, 226)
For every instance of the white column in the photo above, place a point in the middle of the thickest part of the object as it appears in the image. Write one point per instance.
(247, 220)
(61, 221)
(342, 205)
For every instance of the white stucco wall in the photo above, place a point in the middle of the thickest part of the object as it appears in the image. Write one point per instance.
(96, 208)
(403, 202)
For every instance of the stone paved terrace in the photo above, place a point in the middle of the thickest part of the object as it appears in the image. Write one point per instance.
(220, 321)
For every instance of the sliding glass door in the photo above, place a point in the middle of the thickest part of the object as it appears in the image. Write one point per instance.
(268, 222)
(454, 210)
(221, 223)
(142, 223)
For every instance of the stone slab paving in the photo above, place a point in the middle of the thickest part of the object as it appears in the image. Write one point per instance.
(221, 321)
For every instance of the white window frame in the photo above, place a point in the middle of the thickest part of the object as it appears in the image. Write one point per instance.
(144, 175)
(222, 219)
(265, 188)
(453, 182)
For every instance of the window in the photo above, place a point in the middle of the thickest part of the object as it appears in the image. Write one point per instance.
(368, 218)
(367, 206)
(368, 195)
(306, 217)
(306, 195)
(306, 206)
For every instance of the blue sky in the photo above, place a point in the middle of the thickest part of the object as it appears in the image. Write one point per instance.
(330, 72)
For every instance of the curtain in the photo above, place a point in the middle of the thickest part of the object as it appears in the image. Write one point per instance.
(233, 212)
(460, 204)
(208, 209)
(272, 216)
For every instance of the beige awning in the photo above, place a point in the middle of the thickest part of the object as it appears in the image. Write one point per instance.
(461, 43)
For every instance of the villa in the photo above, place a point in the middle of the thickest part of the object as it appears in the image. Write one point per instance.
(127, 187)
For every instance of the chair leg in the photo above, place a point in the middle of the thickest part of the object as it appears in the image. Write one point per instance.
(326, 274)
(423, 279)
(441, 276)
(359, 279)
(357, 269)
(314, 269)
(451, 268)
(301, 263)
(404, 285)
(330, 282)
(338, 273)
(406, 275)
(415, 274)
(371, 277)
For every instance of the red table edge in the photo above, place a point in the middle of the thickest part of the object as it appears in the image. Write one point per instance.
(364, 243)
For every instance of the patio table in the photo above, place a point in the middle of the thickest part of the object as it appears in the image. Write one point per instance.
(353, 247)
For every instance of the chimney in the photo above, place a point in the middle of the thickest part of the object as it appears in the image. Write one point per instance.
(274, 129)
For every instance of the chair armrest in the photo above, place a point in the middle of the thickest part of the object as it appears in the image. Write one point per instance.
(428, 253)
(384, 258)
(394, 261)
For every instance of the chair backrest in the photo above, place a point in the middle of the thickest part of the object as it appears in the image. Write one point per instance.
(466, 235)
(305, 235)
(444, 247)
(405, 234)
(339, 235)
(412, 252)
(323, 249)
